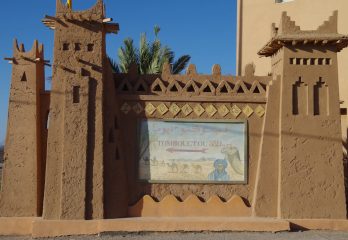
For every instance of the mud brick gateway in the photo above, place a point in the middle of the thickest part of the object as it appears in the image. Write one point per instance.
(82, 165)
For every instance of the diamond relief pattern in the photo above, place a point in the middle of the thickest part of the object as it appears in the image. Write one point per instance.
(248, 111)
(198, 110)
(260, 111)
(235, 111)
(186, 109)
(223, 110)
(137, 108)
(211, 110)
(162, 109)
(150, 109)
(126, 108)
(174, 109)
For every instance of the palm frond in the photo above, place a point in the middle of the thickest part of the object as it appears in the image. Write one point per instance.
(144, 55)
(181, 64)
(149, 57)
(127, 55)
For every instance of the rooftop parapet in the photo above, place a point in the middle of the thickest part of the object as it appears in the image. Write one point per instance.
(95, 14)
(289, 33)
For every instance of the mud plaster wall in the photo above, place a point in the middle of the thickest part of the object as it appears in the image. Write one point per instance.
(311, 149)
(22, 147)
(74, 173)
(129, 122)
(115, 172)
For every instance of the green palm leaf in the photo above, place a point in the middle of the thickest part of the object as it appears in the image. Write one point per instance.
(181, 64)
(150, 57)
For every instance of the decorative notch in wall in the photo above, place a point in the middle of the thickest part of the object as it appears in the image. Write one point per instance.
(158, 86)
(223, 88)
(24, 77)
(310, 61)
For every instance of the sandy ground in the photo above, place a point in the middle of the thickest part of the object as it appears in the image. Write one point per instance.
(309, 235)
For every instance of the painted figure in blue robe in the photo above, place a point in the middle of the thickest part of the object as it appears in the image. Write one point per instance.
(219, 173)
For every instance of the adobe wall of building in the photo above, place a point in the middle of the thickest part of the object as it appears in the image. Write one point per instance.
(116, 187)
(255, 17)
(75, 153)
(311, 167)
(295, 167)
(130, 119)
(22, 175)
(311, 145)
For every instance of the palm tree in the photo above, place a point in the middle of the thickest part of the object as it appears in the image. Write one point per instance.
(150, 57)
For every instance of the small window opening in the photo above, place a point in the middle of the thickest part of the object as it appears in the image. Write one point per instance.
(90, 47)
(24, 77)
(328, 61)
(305, 61)
(312, 61)
(116, 123)
(292, 61)
(344, 111)
(76, 94)
(111, 136)
(320, 61)
(117, 154)
(77, 46)
(298, 61)
(65, 46)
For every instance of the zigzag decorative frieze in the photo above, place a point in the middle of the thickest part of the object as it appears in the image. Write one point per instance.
(208, 110)
(192, 84)
(170, 206)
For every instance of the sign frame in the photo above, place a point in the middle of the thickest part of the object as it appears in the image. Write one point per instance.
(246, 152)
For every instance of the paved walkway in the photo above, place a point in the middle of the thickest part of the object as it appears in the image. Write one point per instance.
(309, 235)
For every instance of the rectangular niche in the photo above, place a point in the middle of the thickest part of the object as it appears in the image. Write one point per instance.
(76, 94)
(300, 98)
(321, 98)
(192, 152)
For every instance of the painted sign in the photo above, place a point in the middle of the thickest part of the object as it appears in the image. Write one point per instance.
(192, 152)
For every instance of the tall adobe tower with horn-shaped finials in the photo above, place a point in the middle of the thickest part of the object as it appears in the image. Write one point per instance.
(310, 179)
(74, 187)
(23, 171)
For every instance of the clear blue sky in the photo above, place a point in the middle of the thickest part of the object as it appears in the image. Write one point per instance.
(204, 29)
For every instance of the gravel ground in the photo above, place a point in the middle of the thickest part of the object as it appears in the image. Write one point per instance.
(309, 235)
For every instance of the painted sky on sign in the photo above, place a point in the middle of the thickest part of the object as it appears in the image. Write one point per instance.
(205, 29)
(192, 141)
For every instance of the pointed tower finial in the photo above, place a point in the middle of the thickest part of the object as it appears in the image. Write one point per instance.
(69, 4)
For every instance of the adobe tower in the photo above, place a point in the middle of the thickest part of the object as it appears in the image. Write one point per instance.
(76, 149)
(23, 174)
(310, 145)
